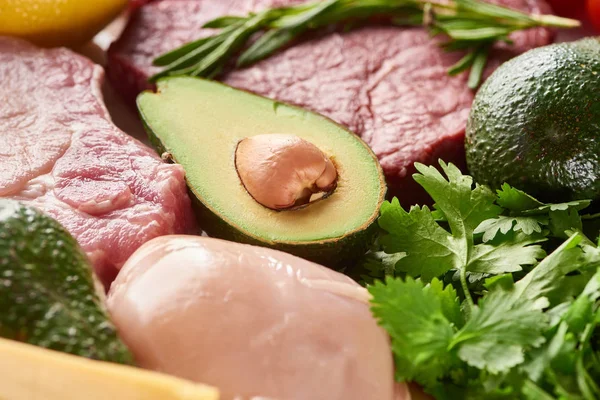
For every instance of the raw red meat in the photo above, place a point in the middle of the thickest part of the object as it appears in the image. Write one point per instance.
(61, 153)
(387, 84)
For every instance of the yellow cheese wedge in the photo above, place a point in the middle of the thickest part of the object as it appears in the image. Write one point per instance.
(33, 373)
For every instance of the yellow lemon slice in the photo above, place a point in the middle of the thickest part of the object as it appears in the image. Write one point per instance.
(57, 22)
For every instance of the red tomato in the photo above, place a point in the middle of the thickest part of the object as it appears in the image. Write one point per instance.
(593, 9)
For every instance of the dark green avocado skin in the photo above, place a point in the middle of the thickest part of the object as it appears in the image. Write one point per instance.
(48, 296)
(535, 123)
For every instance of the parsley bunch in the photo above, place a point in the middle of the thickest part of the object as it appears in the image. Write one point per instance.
(488, 295)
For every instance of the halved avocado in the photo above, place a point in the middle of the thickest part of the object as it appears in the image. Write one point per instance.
(199, 123)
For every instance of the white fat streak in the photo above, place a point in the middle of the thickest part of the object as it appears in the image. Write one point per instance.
(36, 187)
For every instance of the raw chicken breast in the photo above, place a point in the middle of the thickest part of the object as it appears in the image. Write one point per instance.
(255, 322)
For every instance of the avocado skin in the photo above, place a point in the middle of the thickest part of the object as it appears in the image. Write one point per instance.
(535, 123)
(48, 295)
(333, 253)
(337, 254)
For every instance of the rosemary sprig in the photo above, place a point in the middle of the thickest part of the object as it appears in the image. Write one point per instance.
(469, 25)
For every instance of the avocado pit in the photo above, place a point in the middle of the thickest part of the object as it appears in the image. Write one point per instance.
(283, 172)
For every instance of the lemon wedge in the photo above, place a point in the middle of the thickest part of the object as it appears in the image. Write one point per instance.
(52, 23)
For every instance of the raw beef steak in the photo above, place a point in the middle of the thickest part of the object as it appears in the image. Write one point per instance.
(387, 84)
(62, 154)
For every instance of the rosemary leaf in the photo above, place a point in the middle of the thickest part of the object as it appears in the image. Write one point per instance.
(310, 14)
(180, 65)
(233, 42)
(224, 22)
(268, 43)
(477, 67)
(273, 40)
(471, 25)
(462, 64)
(492, 11)
(179, 52)
(476, 34)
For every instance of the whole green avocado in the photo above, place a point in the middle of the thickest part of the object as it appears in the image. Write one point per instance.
(49, 296)
(535, 123)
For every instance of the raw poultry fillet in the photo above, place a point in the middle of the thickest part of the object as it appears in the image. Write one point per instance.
(387, 84)
(60, 152)
(259, 324)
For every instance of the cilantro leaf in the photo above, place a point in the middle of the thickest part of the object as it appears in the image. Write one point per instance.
(567, 362)
(542, 357)
(463, 206)
(516, 334)
(576, 204)
(506, 223)
(516, 200)
(520, 203)
(569, 287)
(430, 249)
(581, 312)
(374, 265)
(501, 327)
(416, 317)
(562, 221)
(527, 214)
(506, 256)
(533, 392)
(546, 276)
(448, 301)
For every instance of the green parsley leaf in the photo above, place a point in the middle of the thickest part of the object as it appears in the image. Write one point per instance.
(576, 204)
(516, 200)
(533, 392)
(567, 363)
(517, 334)
(542, 357)
(562, 221)
(569, 287)
(430, 249)
(582, 312)
(506, 223)
(448, 301)
(506, 256)
(501, 327)
(520, 203)
(417, 318)
(545, 276)
(374, 265)
(465, 207)
(527, 214)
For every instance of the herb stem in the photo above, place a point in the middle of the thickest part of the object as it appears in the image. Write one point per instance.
(465, 287)
(554, 21)
(469, 25)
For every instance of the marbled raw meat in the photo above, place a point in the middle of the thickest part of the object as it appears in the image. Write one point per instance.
(387, 84)
(60, 152)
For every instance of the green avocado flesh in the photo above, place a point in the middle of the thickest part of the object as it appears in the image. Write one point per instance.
(200, 122)
(535, 123)
(48, 296)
